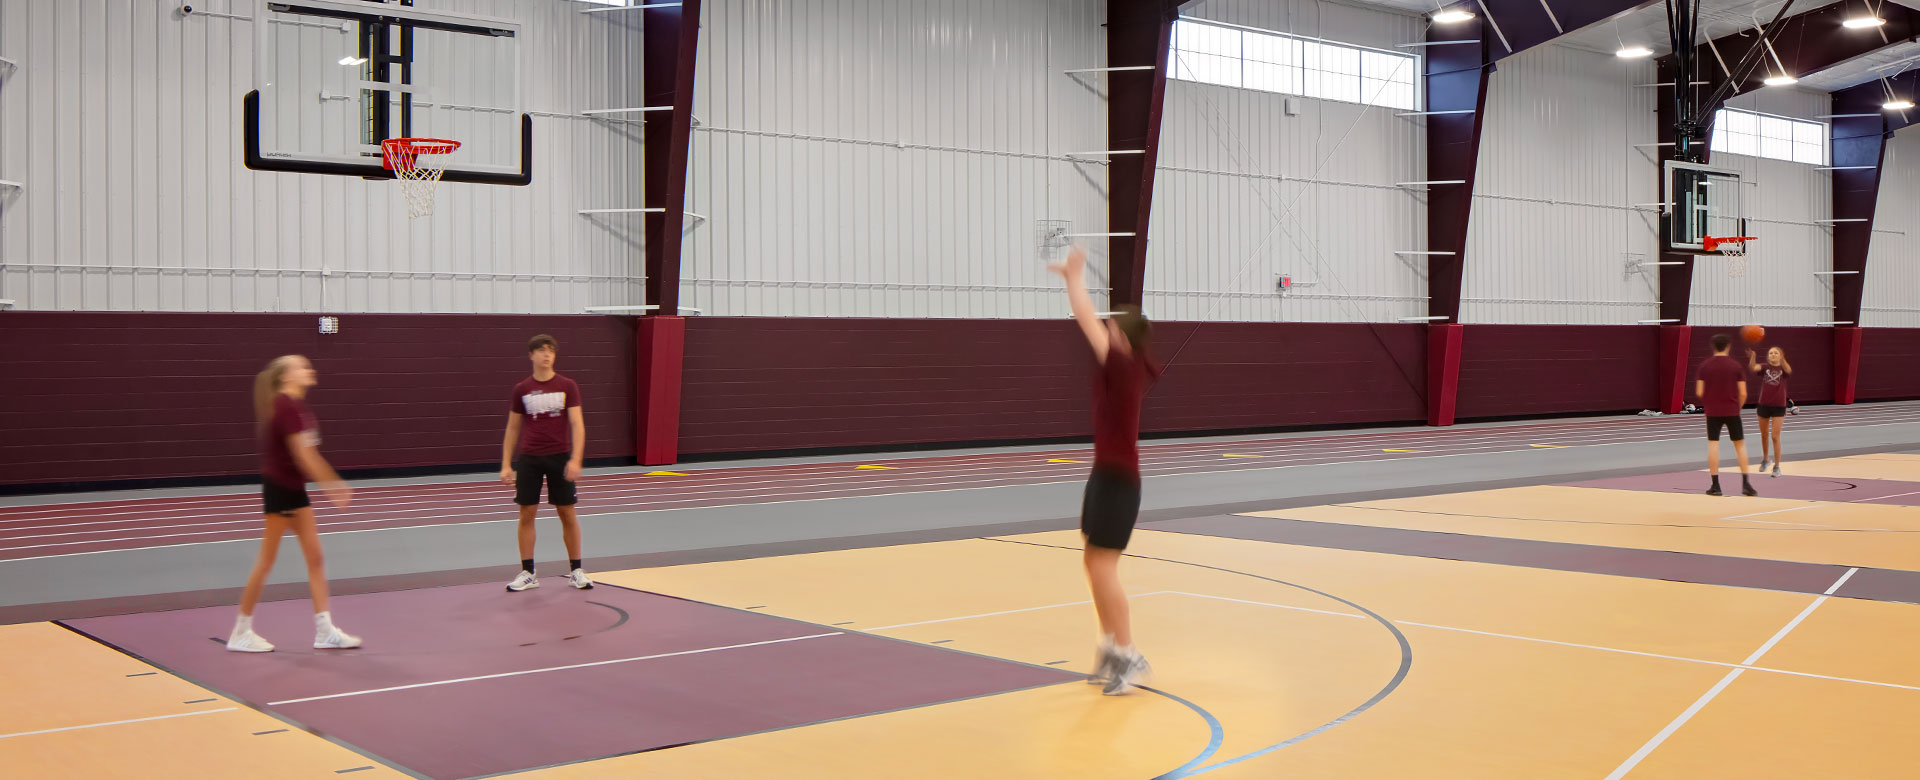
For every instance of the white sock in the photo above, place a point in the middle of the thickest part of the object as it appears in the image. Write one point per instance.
(243, 624)
(323, 622)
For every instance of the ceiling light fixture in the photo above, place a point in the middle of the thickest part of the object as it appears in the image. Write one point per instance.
(1452, 16)
(1898, 104)
(352, 60)
(1633, 52)
(1780, 77)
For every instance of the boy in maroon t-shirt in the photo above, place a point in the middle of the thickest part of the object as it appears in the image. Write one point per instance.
(544, 420)
(1112, 502)
(1722, 387)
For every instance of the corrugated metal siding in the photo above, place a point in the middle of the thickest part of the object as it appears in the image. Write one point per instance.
(1225, 225)
(891, 159)
(1782, 201)
(1553, 224)
(1893, 267)
(123, 122)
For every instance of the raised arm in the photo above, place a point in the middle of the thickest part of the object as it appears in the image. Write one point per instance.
(1753, 361)
(1073, 270)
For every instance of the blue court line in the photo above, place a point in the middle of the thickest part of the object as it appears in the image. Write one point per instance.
(1219, 734)
(1191, 768)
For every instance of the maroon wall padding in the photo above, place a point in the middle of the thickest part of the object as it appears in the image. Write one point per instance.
(660, 350)
(1889, 363)
(1443, 372)
(1513, 370)
(1675, 343)
(1809, 350)
(96, 396)
(761, 383)
(756, 384)
(1240, 375)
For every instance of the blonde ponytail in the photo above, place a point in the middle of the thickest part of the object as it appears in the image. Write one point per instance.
(266, 385)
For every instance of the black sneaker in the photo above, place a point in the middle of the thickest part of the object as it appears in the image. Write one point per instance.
(1746, 489)
(1714, 490)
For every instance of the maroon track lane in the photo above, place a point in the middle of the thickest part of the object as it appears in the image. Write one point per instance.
(52, 529)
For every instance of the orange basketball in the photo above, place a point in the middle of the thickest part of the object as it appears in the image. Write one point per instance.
(1752, 334)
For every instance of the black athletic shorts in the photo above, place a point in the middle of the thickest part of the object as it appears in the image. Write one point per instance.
(1111, 506)
(533, 469)
(282, 500)
(1735, 430)
(1773, 411)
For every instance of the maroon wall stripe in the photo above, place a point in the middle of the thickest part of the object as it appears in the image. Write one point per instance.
(95, 396)
(1889, 363)
(1515, 370)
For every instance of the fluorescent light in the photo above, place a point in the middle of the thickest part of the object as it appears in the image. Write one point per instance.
(352, 60)
(1633, 52)
(1451, 17)
(1899, 104)
(1861, 22)
(1781, 80)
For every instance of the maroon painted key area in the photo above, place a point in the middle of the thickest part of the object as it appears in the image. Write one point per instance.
(472, 680)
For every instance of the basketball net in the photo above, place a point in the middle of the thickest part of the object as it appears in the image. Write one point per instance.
(1735, 250)
(409, 159)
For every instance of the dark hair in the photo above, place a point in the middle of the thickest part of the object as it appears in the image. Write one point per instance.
(1135, 326)
(543, 340)
(1721, 342)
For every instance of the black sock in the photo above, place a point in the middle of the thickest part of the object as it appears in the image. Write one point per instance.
(1716, 482)
(1743, 478)
(575, 562)
(527, 564)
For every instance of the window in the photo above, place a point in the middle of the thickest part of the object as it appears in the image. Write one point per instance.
(1773, 137)
(1291, 65)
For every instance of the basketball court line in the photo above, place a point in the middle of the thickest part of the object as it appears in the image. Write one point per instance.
(730, 480)
(843, 494)
(552, 669)
(118, 722)
(1700, 703)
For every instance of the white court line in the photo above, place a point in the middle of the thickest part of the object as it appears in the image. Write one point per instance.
(1006, 612)
(716, 481)
(644, 508)
(117, 722)
(1647, 749)
(552, 669)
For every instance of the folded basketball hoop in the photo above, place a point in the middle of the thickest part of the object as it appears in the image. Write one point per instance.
(1734, 249)
(405, 157)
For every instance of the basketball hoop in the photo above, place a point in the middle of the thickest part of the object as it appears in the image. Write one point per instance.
(1734, 249)
(403, 157)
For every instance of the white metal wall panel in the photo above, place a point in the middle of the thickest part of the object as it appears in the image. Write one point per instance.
(1783, 200)
(1893, 267)
(123, 122)
(1246, 193)
(1554, 224)
(890, 158)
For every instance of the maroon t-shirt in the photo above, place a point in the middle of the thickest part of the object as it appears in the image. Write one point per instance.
(1773, 385)
(1119, 384)
(1723, 377)
(290, 417)
(546, 429)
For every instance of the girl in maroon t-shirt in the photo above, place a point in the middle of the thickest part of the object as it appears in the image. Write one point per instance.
(289, 458)
(1112, 501)
(1773, 402)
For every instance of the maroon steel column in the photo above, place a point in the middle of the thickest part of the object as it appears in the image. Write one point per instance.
(1139, 32)
(669, 37)
(1456, 80)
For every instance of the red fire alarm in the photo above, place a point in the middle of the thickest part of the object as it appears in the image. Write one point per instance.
(1286, 283)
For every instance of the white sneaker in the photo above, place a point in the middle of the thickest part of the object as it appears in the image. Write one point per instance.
(335, 639)
(579, 579)
(1128, 671)
(249, 642)
(523, 581)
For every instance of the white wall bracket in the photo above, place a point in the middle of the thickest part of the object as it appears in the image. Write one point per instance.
(1439, 113)
(1095, 156)
(1657, 322)
(1405, 184)
(629, 8)
(599, 111)
(1425, 254)
(1435, 318)
(1098, 235)
(12, 184)
(1847, 168)
(1837, 221)
(1835, 322)
(1835, 273)
(1109, 70)
(688, 214)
